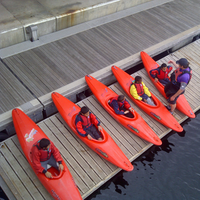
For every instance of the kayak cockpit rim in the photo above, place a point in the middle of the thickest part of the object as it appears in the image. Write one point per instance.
(103, 135)
(112, 110)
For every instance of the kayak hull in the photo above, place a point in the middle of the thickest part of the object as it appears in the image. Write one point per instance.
(158, 112)
(61, 186)
(136, 125)
(181, 104)
(106, 148)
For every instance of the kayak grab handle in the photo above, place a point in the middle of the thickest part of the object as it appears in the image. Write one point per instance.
(55, 93)
(127, 164)
(59, 176)
(89, 76)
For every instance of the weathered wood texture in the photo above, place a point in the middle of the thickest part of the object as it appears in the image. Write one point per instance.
(89, 170)
(54, 65)
(13, 93)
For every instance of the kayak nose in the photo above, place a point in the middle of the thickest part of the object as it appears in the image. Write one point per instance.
(89, 76)
(192, 115)
(179, 127)
(15, 110)
(157, 141)
(114, 67)
(129, 166)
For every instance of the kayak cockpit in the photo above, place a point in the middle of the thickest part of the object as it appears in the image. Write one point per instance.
(123, 116)
(154, 100)
(103, 135)
(55, 173)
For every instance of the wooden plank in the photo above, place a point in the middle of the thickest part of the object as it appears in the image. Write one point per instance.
(9, 183)
(13, 92)
(18, 153)
(78, 56)
(25, 167)
(18, 89)
(54, 62)
(40, 72)
(15, 174)
(20, 70)
(63, 61)
(6, 189)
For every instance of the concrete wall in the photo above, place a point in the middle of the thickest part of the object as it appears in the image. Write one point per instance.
(74, 17)
(51, 16)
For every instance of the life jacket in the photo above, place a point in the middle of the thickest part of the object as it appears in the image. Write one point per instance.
(45, 154)
(172, 87)
(139, 88)
(177, 73)
(161, 74)
(86, 121)
(119, 103)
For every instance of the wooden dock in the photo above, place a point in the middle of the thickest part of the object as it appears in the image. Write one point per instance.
(89, 170)
(54, 65)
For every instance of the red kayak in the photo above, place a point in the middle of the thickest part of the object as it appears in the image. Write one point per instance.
(181, 104)
(106, 148)
(136, 125)
(158, 112)
(62, 185)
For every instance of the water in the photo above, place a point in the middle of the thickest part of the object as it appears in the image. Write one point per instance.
(171, 171)
(2, 195)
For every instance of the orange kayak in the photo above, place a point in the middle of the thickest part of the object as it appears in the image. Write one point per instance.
(136, 125)
(106, 148)
(62, 185)
(181, 104)
(158, 112)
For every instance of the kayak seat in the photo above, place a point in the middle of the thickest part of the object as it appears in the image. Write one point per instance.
(53, 170)
(73, 120)
(121, 115)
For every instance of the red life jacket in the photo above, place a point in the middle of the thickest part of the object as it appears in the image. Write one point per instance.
(119, 103)
(139, 88)
(86, 121)
(45, 154)
(162, 75)
(179, 73)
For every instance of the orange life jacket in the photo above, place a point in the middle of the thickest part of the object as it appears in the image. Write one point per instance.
(139, 88)
(45, 154)
(180, 73)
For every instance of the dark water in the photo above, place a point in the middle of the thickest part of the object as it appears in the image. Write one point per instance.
(171, 171)
(2, 195)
